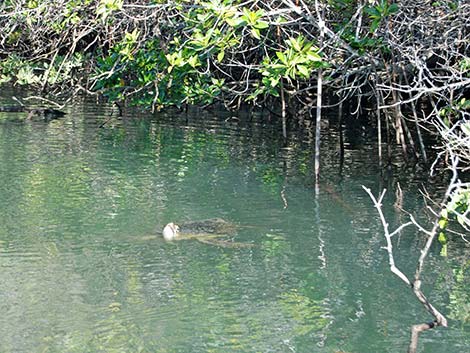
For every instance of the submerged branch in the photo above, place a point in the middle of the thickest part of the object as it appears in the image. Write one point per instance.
(415, 285)
(388, 235)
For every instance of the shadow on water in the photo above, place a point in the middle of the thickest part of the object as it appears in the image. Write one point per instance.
(83, 268)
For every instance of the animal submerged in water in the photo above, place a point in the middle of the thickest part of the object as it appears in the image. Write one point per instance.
(205, 231)
(212, 226)
(46, 114)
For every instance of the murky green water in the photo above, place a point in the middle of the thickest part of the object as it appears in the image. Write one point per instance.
(82, 268)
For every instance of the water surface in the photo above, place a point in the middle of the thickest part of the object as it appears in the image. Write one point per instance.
(83, 268)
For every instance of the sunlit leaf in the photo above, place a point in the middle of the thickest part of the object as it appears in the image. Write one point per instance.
(295, 43)
(193, 61)
(261, 25)
(443, 223)
(303, 70)
(443, 251)
(235, 21)
(281, 57)
(255, 33)
(313, 56)
(442, 238)
(466, 128)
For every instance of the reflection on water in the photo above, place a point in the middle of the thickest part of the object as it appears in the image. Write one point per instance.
(84, 270)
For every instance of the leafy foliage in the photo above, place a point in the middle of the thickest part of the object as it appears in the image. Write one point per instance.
(457, 209)
(459, 295)
(158, 54)
(379, 12)
(298, 61)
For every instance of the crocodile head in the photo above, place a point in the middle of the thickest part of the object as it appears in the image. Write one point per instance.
(170, 232)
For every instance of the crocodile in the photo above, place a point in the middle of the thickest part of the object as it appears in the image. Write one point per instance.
(205, 231)
(211, 226)
(46, 113)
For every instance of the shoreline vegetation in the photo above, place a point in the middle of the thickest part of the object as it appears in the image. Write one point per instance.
(403, 67)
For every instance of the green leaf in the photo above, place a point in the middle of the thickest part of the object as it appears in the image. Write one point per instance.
(193, 61)
(290, 72)
(171, 58)
(372, 12)
(443, 223)
(281, 57)
(303, 70)
(374, 25)
(443, 252)
(442, 238)
(220, 56)
(249, 16)
(261, 24)
(217, 82)
(393, 8)
(235, 21)
(313, 56)
(274, 81)
(295, 43)
(203, 17)
(255, 33)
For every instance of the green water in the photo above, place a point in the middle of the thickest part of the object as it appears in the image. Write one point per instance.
(82, 268)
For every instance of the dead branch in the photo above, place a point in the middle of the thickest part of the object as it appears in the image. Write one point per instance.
(415, 285)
